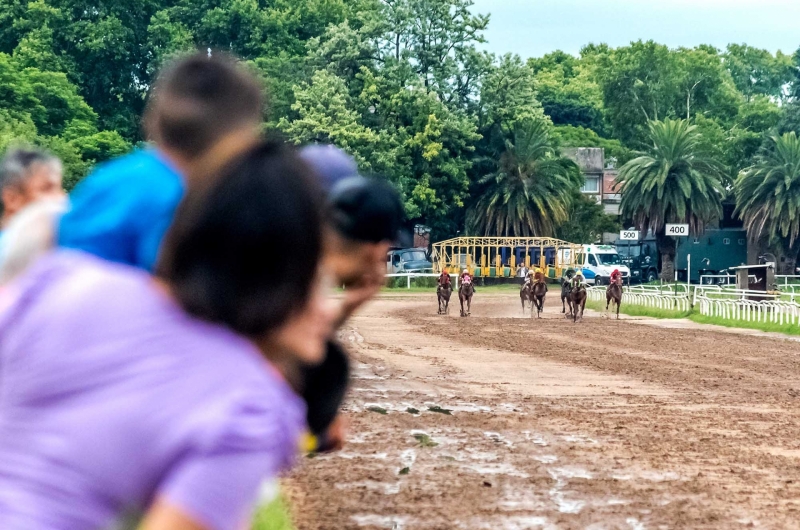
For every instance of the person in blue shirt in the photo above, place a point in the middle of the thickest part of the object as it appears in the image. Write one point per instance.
(202, 112)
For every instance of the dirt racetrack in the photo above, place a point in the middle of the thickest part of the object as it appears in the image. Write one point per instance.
(605, 424)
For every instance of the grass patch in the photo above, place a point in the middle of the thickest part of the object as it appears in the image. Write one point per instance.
(786, 329)
(425, 440)
(640, 311)
(695, 316)
(273, 516)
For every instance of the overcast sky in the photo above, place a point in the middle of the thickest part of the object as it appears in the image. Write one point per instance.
(532, 28)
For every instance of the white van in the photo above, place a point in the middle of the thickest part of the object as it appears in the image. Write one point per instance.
(597, 262)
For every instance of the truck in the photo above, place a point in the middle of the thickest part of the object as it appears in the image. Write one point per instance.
(712, 252)
(407, 260)
(597, 262)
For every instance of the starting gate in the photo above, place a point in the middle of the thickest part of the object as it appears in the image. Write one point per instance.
(498, 257)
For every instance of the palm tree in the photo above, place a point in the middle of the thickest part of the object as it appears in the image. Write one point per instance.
(531, 189)
(672, 183)
(768, 192)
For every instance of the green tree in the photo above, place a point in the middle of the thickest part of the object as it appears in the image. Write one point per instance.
(324, 114)
(530, 192)
(758, 72)
(672, 183)
(587, 221)
(508, 95)
(568, 90)
(44, 108)
(647, 81)
(768, 193)
(571, 136)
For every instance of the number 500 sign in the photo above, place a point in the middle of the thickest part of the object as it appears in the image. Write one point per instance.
(677, 230)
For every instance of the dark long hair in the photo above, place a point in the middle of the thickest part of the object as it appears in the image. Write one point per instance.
(243, 249)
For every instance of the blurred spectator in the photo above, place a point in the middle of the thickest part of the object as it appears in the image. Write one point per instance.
(129, 400)
(202, 111)
(28, 236)
(27, 175)
(365, 222)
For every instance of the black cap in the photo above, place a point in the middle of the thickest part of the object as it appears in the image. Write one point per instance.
(368, 210)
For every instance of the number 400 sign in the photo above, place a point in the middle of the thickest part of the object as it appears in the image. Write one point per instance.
(677, 230)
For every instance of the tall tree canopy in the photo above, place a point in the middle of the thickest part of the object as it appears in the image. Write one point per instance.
(768, 192)
(403, 85)
(530, 192)
(673, 182)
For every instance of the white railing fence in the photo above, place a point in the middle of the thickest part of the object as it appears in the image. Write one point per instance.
(747, 306)
(409, 275)
(673, 297)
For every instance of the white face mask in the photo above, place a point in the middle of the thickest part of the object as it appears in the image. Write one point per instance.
(29, 235)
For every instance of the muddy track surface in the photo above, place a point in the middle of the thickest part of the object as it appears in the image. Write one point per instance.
(502, 422)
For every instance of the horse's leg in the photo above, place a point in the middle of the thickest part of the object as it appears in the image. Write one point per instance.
(619, 303)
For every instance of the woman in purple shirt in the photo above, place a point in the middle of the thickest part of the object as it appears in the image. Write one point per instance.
(133, 402)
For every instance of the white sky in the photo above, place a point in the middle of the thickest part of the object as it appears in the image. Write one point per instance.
(532, 28)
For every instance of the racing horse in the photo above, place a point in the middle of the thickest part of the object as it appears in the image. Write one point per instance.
(614, 292)
(538, 292)
(443, 293)
(566, 288)
(465, 292)
(526, 297)
(577, 297)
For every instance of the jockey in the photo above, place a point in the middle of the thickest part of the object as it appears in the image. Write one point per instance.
(577, 280)
(443, 280)
(616, 277)
(466, 277)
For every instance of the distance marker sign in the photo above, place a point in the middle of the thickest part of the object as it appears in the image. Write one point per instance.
(677, 230)
(629, 235)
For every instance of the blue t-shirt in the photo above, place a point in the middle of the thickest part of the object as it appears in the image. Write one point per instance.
(123, 209)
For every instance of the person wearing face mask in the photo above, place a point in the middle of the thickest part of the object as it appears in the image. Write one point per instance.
(31, 194)
(159, 403)
(27, 175)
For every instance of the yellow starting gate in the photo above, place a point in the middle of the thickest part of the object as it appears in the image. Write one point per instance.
(499, 257)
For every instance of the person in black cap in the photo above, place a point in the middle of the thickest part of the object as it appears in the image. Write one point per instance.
(366, 221)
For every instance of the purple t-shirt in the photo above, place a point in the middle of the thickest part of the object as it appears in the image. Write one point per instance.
(111, 396)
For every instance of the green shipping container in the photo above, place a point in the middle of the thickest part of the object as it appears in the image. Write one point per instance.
(711, 252)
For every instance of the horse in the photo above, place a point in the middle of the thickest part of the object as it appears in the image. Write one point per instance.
(443, 293)
(526, 295)
(614, 292)
(465, 293)
(539, 290)
(578, 301)
(565, 298)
